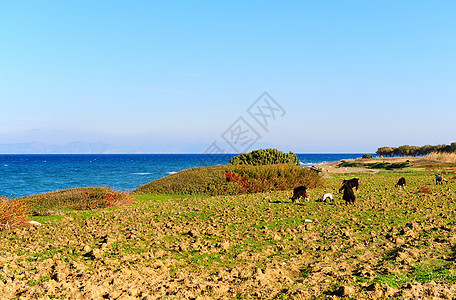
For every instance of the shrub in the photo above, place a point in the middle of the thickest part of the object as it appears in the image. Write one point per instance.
(367, 155)
(233, 180)
(265, 157)
(77, 198)
(101, 198)
(13, 213)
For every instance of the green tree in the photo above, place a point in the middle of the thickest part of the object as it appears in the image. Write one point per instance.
(385, 151)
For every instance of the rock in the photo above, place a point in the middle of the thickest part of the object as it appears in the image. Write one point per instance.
(108, 240)
(344, 290)
(399, 241)
(373, 287)
(159, 253)
(276, 237)
(225, 245)
(193, 233)
(95, 253)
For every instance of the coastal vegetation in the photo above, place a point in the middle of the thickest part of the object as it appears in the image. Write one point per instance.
(392, 243)
(441, 157)
(233, 180)
(407, 150)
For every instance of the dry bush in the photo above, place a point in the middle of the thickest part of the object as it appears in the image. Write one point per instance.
(441, 156)
(101, 198)
(13, 213)
(77, 198)
(425, 190)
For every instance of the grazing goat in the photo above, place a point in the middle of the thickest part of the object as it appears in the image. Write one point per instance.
(300, 191)
(439, 179)
(349, 195)
(327, 196)
(353, 183)
(401, 183)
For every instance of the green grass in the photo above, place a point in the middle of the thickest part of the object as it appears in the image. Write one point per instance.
(41, 279)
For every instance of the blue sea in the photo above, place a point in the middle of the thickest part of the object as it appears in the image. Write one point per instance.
(22, 174)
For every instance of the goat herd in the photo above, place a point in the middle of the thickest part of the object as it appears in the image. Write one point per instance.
(347, 189)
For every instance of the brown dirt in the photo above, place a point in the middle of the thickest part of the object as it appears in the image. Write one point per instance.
(258, 246)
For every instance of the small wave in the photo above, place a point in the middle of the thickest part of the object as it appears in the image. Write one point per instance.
(5, 165)
(171, 173)
(310, 164)
(141, 173)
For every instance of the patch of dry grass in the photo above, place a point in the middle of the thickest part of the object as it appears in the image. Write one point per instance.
(13, 213)
(77, 198)
(441, 157)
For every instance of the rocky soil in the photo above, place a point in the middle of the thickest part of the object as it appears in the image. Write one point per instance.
(392, 243)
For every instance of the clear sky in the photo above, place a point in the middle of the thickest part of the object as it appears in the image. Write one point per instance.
(174, 76)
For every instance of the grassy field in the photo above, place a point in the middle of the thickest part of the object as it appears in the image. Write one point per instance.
(393, 243)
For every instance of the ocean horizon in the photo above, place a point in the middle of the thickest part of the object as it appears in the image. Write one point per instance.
(28, 174)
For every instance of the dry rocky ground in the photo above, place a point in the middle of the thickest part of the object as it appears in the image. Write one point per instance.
(392, 243)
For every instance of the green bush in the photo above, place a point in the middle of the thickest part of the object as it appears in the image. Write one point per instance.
(367, 155)
(233, 180)
(265, 157)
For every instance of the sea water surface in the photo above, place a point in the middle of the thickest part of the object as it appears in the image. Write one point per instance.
(27, 174)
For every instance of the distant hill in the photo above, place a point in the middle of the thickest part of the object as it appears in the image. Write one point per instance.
(69, 148)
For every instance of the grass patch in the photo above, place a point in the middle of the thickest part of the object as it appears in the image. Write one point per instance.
(41, 279)
(393, 280)
(441, 273)
(376, 165)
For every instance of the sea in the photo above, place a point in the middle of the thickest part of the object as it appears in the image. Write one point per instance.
(28, 174)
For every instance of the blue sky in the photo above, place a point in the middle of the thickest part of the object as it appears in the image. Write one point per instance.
(173, 76)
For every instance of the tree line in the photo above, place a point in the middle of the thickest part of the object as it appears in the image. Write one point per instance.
(407, 150)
